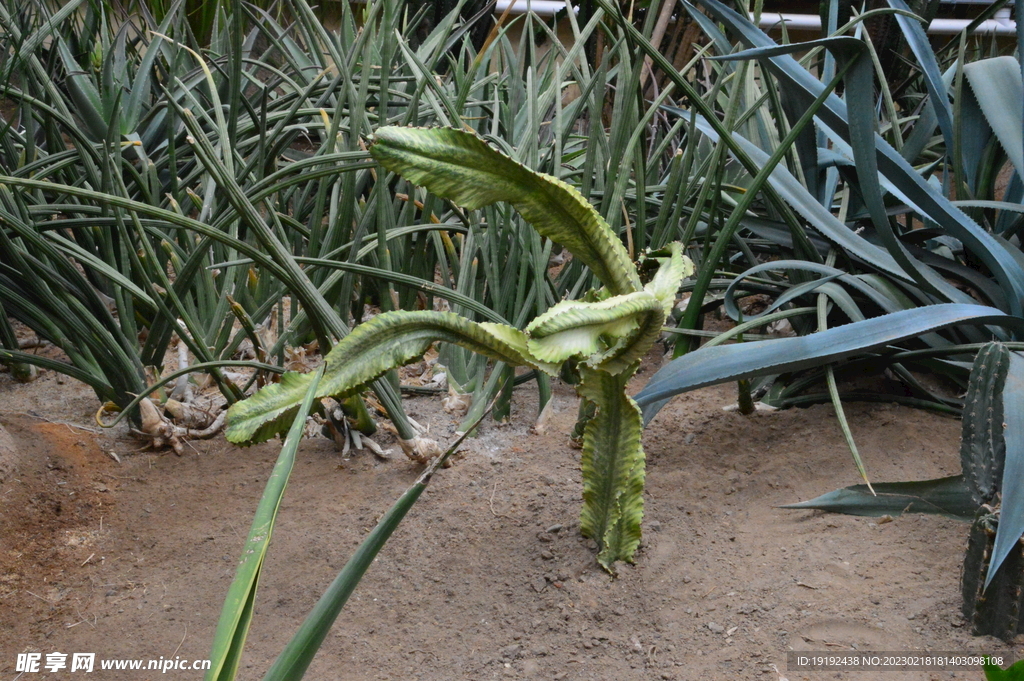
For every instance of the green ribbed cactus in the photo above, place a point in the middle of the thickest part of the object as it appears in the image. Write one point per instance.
(983, 448)
(601, 337)
(995, 610)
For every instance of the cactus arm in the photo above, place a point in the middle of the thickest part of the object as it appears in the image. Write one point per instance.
(613, 468)
(461, 167)
(387, 341)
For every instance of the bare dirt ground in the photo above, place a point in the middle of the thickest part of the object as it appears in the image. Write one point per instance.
(488, 576)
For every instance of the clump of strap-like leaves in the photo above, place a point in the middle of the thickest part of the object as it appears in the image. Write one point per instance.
(605, 334)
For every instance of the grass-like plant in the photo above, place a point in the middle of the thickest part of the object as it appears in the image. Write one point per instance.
(605, 334)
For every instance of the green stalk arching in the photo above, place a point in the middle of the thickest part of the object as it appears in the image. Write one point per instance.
(387, 341)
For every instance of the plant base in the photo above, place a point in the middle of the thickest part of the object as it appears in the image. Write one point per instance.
(995, 611)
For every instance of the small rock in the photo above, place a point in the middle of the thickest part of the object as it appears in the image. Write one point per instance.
(619, 611)
(512, 651)
(654, 526)
(547, 555)
(554, 529)
(539, 584)
(690, 437)
(544, 536)
(687, 579)
(716, 628)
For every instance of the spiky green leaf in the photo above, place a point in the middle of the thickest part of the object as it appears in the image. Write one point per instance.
(1011, 517)
(462, 168)
(613, 468)
(999, 91)
(944, 496)
(722, 363)
(387, 341)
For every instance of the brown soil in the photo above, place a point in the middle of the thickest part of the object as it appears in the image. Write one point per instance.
(133, 559)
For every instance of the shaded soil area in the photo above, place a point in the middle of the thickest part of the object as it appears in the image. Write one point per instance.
(488, 577)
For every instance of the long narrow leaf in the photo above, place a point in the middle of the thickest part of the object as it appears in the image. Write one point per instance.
(728, 362)
(1011, 516)
(944, 496)
(233, 627)
(293, 661)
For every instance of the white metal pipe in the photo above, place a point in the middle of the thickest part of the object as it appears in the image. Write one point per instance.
(1001, 25)
(545, 8)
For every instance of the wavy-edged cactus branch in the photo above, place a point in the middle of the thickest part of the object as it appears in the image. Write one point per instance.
(606, 333)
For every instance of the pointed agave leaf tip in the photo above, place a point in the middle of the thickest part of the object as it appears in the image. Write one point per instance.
(459, 166)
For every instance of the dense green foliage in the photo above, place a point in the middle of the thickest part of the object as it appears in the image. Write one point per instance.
(192, 181)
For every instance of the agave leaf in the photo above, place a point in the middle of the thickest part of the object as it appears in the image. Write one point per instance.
(836, 120)
(88, 103)
(938, 92)
(789, 188)
(944, 496)
(998, 89)
(460, 167)
(710, 366)
(574, 328)
(140, 92)
(1011, 516)
(387, 341)
(613, 468)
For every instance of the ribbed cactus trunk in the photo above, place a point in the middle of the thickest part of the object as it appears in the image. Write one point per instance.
(995, 610)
